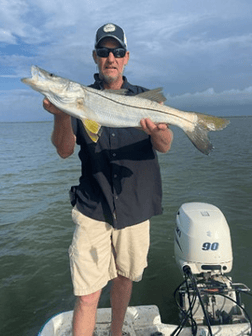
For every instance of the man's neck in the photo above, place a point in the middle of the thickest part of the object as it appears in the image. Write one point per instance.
(113, 85)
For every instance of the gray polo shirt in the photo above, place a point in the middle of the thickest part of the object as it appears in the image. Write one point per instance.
(120, 181)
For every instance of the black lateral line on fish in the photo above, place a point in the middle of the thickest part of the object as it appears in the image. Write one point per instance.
(139, 107)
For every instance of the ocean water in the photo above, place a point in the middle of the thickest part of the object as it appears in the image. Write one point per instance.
(36, 227)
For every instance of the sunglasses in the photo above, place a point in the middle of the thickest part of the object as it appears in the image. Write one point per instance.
(104, 52)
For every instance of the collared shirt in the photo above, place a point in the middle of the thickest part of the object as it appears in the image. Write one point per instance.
(120, 181)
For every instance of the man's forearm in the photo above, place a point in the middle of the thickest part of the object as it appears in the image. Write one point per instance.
(162, 140)
(63, 137)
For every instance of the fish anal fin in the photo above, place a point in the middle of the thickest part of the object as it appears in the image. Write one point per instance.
(154, 95)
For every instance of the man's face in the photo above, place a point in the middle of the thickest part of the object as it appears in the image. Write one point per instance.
(111, 68)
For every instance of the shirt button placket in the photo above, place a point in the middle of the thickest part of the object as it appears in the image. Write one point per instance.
(114, 174)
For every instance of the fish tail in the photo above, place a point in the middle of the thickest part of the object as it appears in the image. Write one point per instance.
(204, 124)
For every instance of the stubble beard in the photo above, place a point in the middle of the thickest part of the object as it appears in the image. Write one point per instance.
(110, 79)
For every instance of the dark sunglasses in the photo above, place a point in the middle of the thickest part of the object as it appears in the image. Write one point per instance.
(104, 52)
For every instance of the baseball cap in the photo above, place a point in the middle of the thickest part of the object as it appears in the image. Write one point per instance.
(111, 30)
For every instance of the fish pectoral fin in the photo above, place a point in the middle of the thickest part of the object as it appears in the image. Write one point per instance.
(154, 95)
(92, 126)
(92, 136)
(93, 129)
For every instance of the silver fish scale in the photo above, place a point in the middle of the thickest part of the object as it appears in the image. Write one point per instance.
(126, 111)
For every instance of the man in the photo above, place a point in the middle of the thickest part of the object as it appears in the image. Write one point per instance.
(119, 190)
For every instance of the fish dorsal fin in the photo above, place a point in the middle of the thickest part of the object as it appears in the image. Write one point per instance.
(93, 129)
(121, 92)
(154, 95)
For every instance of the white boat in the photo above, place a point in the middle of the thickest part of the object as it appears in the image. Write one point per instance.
(208, 301)
(139, 321)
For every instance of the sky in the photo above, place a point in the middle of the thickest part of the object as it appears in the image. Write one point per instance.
(198, 51)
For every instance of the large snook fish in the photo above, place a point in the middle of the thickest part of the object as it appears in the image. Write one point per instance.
(115, 109)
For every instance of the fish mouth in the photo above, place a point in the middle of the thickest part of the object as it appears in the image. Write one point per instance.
(36, 73)
(34, 70)
(26, 80)
(38, 78)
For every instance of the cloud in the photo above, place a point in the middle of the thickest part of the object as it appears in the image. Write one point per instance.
(185, 47)
(232, 102)
(9, 76)
(11, 20)
(239, 97)
(6, 36)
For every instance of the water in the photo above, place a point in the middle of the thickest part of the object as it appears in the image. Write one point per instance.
(36, 227)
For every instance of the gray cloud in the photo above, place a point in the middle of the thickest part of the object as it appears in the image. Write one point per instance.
(199, 52)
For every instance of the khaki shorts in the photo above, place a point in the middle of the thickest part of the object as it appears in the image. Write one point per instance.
(99, 253)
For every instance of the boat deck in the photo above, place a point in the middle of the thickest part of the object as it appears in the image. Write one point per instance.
(139, 321)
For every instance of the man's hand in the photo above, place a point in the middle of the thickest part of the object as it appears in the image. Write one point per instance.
(161, 135)
(48, 106)
(63, 137)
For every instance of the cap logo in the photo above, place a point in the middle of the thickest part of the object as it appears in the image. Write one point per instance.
(109, 28)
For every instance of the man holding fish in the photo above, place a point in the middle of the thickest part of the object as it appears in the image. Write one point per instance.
(119, 191)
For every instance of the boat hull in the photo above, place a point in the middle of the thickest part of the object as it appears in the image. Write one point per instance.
(139, 321)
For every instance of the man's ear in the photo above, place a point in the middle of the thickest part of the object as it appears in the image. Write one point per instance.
(95, 56)
(126, 57)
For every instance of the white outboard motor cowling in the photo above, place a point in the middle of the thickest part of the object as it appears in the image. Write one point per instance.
(202, 239)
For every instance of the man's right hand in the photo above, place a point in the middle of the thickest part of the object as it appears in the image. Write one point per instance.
(63, 137)
(48, 106)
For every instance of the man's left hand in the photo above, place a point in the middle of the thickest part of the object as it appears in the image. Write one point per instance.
(161, 135)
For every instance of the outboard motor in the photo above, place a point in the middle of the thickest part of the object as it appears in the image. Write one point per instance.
(203, 252)
(202, 239)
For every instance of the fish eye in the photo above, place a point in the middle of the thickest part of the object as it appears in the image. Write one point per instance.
(51, 75)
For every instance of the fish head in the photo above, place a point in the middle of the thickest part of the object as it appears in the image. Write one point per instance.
(51, 86)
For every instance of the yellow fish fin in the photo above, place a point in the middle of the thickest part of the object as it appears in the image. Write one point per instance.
(92, 126)
(93, 129)
(92, 136)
